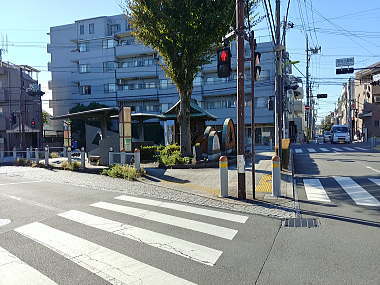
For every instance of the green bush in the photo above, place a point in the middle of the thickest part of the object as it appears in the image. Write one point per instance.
(171, 155)
(54, 155)
(23, 162)
(123, 171)
(70, 166)
(150, 153)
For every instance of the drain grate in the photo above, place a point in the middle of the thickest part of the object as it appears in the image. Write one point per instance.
(300, 223)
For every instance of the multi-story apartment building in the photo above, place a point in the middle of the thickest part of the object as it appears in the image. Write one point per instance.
(98, 60)
(20, 107)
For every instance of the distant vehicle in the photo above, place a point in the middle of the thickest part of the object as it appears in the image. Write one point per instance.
(340, 134)
(327, 136)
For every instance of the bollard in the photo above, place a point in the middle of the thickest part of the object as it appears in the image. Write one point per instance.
(27, 154)
(110, 156)
(276, 176)
(82, 158)
(46, 156)
(37, 155)
(69, 155)
(137, 159)
(14, 154)
(223, 174)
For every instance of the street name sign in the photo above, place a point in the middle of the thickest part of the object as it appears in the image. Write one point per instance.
(348, 61)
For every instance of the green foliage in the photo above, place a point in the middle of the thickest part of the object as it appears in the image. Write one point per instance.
(171, 155)
(74, 165)
(150, 153)
(326, 123)
(45, 117)
(123, 171)
(54, 155)
(23, 162)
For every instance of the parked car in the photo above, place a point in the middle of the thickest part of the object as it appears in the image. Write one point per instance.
(327, 136)
(340, 134)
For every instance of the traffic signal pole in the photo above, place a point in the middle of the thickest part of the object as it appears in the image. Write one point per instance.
(253, 134)
(278, 103)
(240, 100)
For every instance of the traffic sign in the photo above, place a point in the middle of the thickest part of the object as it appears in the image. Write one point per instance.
(348, 61)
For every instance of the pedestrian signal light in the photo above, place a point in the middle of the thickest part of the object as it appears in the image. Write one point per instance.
(224, 62)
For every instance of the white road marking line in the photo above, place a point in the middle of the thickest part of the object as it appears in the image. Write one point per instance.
(114, 267)
(14, 271)
(315, 191)
(170, 220)
(298, 150)
(311, 150)
(337, 149)
(15, 183)
(174, 245)
(324, 149)
(349, 148)
(33, 203)
(4, 222)
(356, 192)
(373, 169)
(376, 181)
(360, 148)
(185, 208)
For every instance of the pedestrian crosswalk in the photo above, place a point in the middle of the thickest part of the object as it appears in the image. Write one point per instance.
(362, 195)
(167, 227)
(316, 149)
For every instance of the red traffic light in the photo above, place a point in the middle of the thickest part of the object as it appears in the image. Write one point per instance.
(224, 55)
(307, 107)
(33, 123)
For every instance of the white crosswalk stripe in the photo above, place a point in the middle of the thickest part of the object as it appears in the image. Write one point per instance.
(202, 227)
(15, 271)
(337, 149)
(185, 208)
(298, 150)
(349, 148)
(311, 150)
(110, 265)
(324, 149)
(178, 246)
(374, 180)
(360, 148)
(356, 192)
(315, 191)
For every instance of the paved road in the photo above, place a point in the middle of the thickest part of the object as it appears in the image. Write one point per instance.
(63, 234)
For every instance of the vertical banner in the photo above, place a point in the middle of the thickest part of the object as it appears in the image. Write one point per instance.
(66, 134)
(125, 129)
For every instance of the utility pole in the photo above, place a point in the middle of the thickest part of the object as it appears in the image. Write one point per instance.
(278, 105)
(240, 99)
(252, 42)
(307, 89)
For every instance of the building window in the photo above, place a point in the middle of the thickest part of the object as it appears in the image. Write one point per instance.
(85, 90)
(165, 83)
(81, 29)
(83, 68)
(137, 62)
(83, 47)
(91, 28)
(127, 41)
(108, 43)
(114, 28)
(197, 81)
(110, 87)
(109, 66)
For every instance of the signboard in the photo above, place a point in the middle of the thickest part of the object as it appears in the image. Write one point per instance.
(348, 61)
(66, 134)
(125, 129)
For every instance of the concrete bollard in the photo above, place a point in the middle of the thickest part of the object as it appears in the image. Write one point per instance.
(137, 159)
(27, 154)
(46, 156)
(276, 176)
(110, 157)
(223, 174)
(82, 158)
(64, 151)
(2, 156)
(123, 157)
(37, 155)
(14, 154)
(69, 154)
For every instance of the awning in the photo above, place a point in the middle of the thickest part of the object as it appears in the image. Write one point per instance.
(195, 112)
(101, 112)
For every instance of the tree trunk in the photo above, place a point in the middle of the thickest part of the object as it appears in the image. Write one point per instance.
(184, 125)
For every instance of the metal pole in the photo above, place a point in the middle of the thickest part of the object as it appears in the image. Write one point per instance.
(253, 134)
(223, 173)
(240, 99)
(137, 159)
(278, 111)
(307, 88)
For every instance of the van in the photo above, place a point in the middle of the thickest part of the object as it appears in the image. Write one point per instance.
(340, 134)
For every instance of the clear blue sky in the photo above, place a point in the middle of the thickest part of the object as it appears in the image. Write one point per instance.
(342, 28)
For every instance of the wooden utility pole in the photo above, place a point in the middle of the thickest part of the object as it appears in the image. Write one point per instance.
(278, 105)
(252, 42)
(240, 99)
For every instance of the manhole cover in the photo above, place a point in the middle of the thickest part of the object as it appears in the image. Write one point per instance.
(300, 223)
(4, 222)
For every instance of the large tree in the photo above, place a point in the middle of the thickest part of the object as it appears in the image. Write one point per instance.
(185, 34)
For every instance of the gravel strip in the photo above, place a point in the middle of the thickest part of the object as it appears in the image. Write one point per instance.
(285, 209)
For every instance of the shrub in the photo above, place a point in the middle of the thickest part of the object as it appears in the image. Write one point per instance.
(123, 171)
(171, 155)
(23, 162)
(54, 155)
(70, 166)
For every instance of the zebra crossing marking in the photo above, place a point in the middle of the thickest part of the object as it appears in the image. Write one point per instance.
(174, 245)
(360, 148)
(315, 191)
(324, 149)
(206, 228)
(356, 192)
(114, 267)
(374, 180)
(14, 271)
(298, 150)
(311, 150)
(185, 208)
(336, 149)
(349, 148)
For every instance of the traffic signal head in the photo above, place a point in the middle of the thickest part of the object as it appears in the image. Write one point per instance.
(33, 123)
(257, 65)
(224, 62)
(321, 96)
(344, 70)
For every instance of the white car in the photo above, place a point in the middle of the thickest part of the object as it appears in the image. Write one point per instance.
(340, 134)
